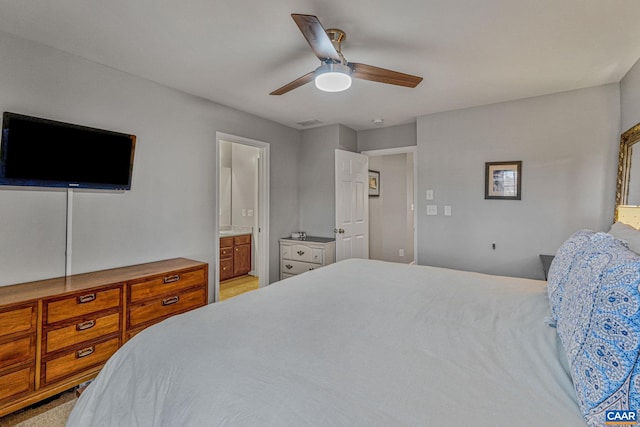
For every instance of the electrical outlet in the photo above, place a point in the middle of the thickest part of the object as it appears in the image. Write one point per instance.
(447, 211)
(429, 194)
(250, 212)
(401, 252)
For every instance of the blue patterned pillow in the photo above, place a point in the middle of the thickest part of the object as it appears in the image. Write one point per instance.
(561, 267)
(599, 326)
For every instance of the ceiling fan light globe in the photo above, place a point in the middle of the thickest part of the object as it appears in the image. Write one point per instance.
(333, 81)
(333, 77)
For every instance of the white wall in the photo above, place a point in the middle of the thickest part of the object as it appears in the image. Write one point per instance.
(387, 137)
(630, 98)
(316, 179)
(568, 145)
(170, 210)
(390, 217)
(244, 184)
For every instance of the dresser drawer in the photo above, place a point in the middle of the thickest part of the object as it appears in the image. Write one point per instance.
(85, 330)
(226, 242)
(162, 307)
(297, 267)
(18, 320)
(16, 382)
(17, 351)
(82, 304)
(167, 284)
(226, 253)
(242, 240)
(301, 253)
(78, 360)
(226, 269)
(285, 251)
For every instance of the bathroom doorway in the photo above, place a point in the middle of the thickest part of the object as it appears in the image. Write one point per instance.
(241, 237)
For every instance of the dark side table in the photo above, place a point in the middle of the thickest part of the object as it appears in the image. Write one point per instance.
(546, 264)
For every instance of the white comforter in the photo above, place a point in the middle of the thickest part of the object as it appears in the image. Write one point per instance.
(358, 343)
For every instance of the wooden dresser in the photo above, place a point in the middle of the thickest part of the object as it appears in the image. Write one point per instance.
(58, 333)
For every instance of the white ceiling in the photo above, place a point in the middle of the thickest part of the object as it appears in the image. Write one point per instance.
(234, 52)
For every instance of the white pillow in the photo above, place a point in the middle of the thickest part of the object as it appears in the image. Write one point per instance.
(627, 233)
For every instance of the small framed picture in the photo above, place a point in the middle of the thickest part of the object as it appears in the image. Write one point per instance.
(503, 180)
(374, 183)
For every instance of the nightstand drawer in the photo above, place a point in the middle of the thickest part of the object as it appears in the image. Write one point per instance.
(158, 309)
(168, 284)
(297, 267)
(301, 253)
(16, 382)
(81, 304)
(79, 360)
(17, 351)
(18, 320)
(84, 330)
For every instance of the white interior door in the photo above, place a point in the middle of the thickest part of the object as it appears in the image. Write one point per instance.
(352, 205)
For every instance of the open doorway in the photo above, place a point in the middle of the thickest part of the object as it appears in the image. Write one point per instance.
(242, 209)
(392, 215)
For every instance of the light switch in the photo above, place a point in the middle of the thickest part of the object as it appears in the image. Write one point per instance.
(447, 211)
(429, 194)
(250, 212)
(432, 209)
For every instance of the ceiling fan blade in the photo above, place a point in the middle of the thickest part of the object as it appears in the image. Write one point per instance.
(294, 84)
(316, 36)
(382, 75)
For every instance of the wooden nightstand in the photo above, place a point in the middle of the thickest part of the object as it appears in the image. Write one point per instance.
(546, 264)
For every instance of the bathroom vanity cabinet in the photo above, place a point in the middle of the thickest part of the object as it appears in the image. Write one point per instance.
(235, 256)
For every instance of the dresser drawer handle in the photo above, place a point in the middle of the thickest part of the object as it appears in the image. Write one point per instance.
(82, 299)
(85, 352)
(171, 279)
(300, 253)
(85, 325)
(169, 301)
(289, 266)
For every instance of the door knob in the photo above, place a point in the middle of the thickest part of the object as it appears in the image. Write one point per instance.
(338, 230)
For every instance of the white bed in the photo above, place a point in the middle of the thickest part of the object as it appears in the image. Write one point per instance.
(357, 343)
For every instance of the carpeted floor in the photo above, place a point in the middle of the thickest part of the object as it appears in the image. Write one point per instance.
(239, 285)
(53, 413)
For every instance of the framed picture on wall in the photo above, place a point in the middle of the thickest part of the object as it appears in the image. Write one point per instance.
(374, 183)
(503, 180)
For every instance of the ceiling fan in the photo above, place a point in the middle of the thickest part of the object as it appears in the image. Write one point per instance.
(335, 72)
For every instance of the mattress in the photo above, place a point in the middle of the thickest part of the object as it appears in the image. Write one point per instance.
(356, 343)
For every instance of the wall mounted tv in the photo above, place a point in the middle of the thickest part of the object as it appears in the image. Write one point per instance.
(37, 152)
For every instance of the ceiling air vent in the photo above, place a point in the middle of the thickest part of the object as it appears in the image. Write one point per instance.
(308, 123)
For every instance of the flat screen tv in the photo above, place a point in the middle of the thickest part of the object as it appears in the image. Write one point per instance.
(37, 152)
